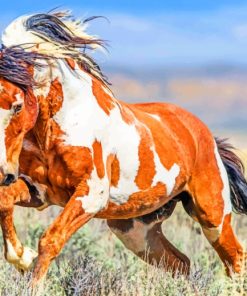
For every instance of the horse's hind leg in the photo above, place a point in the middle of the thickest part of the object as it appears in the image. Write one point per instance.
(211, 206)
(144, 237)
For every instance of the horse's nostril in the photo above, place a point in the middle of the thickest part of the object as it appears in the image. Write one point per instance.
(9, 179)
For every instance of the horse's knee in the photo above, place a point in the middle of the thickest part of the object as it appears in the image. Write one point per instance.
(209, 208)
(50, 244)
(212, 218)
(212, 225)
(48, 247)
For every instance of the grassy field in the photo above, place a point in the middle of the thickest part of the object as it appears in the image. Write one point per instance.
(94, 262)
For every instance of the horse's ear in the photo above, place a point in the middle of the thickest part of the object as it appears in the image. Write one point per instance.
(32, 107)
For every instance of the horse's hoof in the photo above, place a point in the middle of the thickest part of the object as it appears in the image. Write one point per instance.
(26, 260)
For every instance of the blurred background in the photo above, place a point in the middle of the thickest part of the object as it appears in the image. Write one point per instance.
(191, 53)
(188, 52)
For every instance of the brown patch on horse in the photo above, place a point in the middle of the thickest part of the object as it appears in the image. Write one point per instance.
(138, 204)
(31, 109)
(49, 106)
(19, 121)
(55, 97)
(98, 159)
(9, 234)
(71, 63)
(115, 171)
(146, 171)
(82, 160)
(209, 202)
(8, 92)
(127, 114)
(104, 100)
(69, 221)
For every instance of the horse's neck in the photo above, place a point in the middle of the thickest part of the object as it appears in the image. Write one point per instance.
(71, 106)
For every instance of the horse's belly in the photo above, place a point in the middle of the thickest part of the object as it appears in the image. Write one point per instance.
(121, 205)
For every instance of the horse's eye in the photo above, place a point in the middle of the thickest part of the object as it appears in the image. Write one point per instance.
(17, 108)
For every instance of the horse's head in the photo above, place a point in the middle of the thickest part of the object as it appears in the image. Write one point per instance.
(18, 112)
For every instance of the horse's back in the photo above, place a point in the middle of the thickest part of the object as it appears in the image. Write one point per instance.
(174, 117)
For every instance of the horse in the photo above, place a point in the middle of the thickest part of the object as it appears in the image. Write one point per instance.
(66, 140)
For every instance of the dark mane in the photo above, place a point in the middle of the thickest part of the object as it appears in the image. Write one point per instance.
(15, 65)
(51, 28)
(16, 61)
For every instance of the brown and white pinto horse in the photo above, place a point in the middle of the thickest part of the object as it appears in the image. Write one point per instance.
(65, 140)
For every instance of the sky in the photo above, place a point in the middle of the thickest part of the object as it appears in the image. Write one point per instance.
(156, 33)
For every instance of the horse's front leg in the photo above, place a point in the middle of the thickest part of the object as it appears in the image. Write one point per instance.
(14, 251)
(89, 198)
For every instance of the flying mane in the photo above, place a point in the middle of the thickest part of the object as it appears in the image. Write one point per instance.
(30, 39)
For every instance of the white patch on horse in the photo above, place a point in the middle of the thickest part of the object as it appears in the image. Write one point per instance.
(5, 116)
(155, 116)
(44, 76)
(11, 255)
(107, 91)
(226, 195)
(212, 234)
(164, 175)
(80, 116)
(16, 33)
(1, 87)
(98, 195)
(125, 140)
(19, 99)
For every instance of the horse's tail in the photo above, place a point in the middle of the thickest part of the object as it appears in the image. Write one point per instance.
(235, 171)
